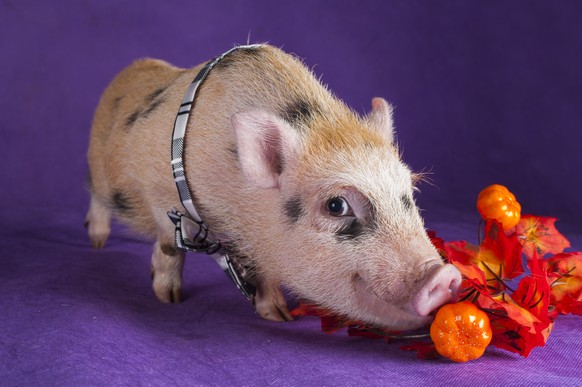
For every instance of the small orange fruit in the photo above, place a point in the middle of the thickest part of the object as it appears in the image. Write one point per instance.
(461, 331)
(496, 202)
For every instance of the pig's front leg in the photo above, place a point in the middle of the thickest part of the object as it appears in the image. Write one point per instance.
(167, 266)
(270, 302)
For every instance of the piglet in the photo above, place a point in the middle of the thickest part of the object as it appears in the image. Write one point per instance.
(304, 192)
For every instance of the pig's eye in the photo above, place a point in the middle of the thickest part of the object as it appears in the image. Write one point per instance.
(338, 206)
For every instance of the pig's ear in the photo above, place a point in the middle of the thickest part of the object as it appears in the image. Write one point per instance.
(380, 118)
(265, 144)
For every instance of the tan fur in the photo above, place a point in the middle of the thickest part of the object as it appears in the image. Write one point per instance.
(338, 150)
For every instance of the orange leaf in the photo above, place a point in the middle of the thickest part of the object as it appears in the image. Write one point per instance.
(461, 254)
(514, 327)
(533, 292)
(538, 233)
(565, 277)
(498, 257)
(501, 253)
(520, 322)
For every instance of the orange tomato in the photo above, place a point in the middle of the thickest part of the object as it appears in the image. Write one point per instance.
(496, 202)
(461, 331)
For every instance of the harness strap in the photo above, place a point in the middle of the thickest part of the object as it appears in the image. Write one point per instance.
(191, 232)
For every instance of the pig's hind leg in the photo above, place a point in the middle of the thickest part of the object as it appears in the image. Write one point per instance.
(98, 222)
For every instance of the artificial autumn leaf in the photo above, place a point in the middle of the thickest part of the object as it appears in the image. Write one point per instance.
(565, 277)
(439, 243)
(356, 331)
(330, 322)
(371, 332)
(575, 307)
(498, 256)
(463, 254)
(533, 292)
(511, 336)
(460, 254)
(423, 350)
(539, 234)
(305, 309)
(514, 327)
(520, 320)
(501, 254)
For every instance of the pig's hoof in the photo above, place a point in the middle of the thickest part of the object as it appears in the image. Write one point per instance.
(272, 310)
(166, 272)
(270, 303)
(98, 223)
(168, 293)
(98, 234)
(274, 313)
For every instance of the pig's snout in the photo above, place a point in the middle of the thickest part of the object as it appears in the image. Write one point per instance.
(441, 287)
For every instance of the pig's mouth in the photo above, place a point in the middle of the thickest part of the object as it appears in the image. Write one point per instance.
(381, 312)
(441, 285)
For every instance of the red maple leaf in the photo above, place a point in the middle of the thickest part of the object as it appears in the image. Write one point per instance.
(438, 242)
(515, 328)
(502, 251)
(565, 277)
(520, 321)
(330, 322)
(371, 332)
(498, 257)
(306, 309)
(539, 234)
(533, 291)
(424, 350)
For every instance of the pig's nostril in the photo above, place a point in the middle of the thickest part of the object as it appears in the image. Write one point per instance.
(454, 288)
(441, 287)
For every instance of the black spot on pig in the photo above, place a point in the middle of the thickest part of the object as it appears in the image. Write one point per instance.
(153, 101)
(293, 209)
(406, 202)
(155, 94)
(351, 231)
(117, 102)
(153, 106)
(299, 111)
(358, 228)
(243, 55)
(121, 203)
(131, 119)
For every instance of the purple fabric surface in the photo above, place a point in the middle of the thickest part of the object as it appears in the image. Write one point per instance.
(75, 316)
(484, 92)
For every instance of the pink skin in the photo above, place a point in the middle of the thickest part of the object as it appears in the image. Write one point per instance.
(442, 287)
(265, 184)
(398, 278)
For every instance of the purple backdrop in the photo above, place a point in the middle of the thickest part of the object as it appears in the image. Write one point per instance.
(484, 92)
